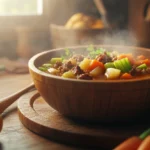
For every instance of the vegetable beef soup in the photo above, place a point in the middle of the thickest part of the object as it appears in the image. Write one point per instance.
(98, 64)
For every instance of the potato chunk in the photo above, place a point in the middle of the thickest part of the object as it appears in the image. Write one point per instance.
(84, 65)
(112, 73)
(68, 74)
(96, 72)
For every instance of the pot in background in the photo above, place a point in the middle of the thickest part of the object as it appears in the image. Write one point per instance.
(62, 37)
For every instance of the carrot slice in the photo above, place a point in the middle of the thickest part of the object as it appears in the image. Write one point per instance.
(126, 76)
(145, 145)
(135, 142)
(94, 63)
(131, 143)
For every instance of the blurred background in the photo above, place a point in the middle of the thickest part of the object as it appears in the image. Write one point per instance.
(28, 27)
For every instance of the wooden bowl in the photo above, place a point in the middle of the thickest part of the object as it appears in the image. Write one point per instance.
(104, 101)
(63, 37)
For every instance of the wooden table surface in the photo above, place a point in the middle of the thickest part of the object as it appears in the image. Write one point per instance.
(14, 135)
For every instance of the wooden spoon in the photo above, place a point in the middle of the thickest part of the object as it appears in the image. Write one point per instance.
(101, 8)
(7, 101)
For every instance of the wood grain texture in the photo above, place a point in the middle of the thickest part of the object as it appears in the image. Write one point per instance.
(42, 119)
(14, 136)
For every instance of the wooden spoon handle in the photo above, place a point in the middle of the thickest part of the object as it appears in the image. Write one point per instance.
(7, 101)
(101, 8)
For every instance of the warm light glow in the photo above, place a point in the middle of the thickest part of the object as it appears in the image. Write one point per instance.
(21, 7)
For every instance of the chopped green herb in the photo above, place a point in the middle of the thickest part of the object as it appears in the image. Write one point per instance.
(94, 52)
(67, 52)
(90, 48)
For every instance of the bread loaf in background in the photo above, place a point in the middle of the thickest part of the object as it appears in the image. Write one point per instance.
(82, 21)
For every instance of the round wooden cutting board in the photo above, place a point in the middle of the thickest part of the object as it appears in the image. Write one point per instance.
(42, 119)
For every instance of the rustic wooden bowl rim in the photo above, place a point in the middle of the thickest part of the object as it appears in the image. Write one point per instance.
(36, 70)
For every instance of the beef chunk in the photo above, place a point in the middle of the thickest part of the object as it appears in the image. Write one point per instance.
(148, 70)
(137, 71)
(104, 58)
(57, 64)
(77, 70)
(85, 76)
(133, 71)
(66, 66)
